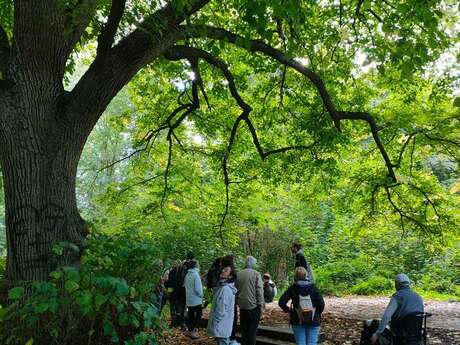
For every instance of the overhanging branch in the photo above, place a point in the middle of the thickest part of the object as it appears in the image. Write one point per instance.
(261, 47)
(148, 41)
(193, 54)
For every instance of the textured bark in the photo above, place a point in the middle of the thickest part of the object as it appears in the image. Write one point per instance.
(39, 150)
(39, 154)
(43, 129)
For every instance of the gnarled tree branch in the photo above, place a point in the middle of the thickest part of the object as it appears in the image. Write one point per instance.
(178, 52)
(149, 40)
(261, 47)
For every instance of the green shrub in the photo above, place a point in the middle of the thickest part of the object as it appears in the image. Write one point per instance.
(373, 285)
(337, 278)
(108, 300)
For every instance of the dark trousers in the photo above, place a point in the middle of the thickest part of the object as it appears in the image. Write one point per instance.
(249, 321)
(177, 305)
(235, 324)
(194, 316)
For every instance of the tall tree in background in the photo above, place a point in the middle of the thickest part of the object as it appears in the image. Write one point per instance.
(43, 127)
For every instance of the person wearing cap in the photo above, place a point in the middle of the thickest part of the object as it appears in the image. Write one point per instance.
(404, 302)
(250, 298)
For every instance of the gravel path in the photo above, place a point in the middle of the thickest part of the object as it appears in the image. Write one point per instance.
(446, 315)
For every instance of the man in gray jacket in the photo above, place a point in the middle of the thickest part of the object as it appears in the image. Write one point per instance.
(250, 299)
(404, 302)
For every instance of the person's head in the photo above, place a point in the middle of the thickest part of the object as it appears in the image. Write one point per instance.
(401, 281)
(296, 247)
(300, 273)
(228, 260)
(193, 264)
(266, 277)
(226, 272)
(217, 262)
(250, 262)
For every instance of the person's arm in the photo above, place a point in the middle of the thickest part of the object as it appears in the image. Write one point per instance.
(259, 290)
(319, 301)
(221, 306)
(284, 299)
(198, 286)
(309, 271)
(386, 318)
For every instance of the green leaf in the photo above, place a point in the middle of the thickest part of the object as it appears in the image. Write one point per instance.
(100, 300)
(457, 102)
(16, 293)
(41, 307)
(71, 286)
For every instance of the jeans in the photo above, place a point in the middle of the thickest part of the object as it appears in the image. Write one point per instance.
(222, 341)
(306, 335)
(194, 316)
(249, 321)
(235, 324)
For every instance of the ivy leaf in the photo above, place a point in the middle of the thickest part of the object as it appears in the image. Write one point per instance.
(16, 293)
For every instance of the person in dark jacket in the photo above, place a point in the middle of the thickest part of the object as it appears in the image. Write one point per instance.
(404, 302)
(212, 277)
(300, 261)
(305, 332)
(175, 281)
(269, 288)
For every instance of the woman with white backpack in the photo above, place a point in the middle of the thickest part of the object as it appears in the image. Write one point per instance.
(307, 304)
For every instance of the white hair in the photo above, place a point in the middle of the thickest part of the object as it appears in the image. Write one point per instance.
(251, 262)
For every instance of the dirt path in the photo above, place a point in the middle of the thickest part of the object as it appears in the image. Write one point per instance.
(342, 321)
(446, 315)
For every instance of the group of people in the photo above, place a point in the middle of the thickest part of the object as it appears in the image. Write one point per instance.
(248, 292)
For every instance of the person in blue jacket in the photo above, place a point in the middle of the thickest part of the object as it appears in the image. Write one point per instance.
(193, 297)
(403, 303)
(223, 308)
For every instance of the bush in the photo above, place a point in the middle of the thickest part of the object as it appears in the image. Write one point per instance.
(337, 278)
(107, 301)
(373, 285)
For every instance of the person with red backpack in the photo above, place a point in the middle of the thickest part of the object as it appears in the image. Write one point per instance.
(306, 308)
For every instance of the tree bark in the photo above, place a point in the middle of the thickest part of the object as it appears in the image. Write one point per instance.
(39, 155)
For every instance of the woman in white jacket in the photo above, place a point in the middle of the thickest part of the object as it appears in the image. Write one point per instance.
(223, 308)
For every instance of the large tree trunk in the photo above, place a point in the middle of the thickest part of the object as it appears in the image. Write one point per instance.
(39, 156)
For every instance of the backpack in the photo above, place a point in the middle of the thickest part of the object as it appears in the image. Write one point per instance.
(305, 310)
(176, 277)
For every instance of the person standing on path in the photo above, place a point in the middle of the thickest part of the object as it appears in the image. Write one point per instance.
(175, 281)
(223, 306)
(250, 299)
(300, 261)
(306, 308)
(193, 297)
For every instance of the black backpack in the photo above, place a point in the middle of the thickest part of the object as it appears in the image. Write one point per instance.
(176, 277)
